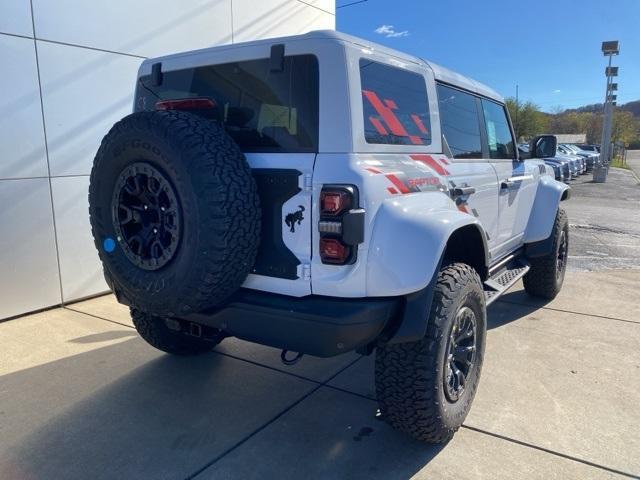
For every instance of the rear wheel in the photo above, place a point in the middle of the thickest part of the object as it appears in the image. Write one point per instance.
(171, 336)
(426, 388)
(546, 276)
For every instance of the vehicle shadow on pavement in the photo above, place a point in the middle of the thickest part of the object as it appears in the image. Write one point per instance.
(512, 307)
(123, 411)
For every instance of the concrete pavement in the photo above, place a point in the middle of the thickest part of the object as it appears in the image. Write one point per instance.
(83, 397)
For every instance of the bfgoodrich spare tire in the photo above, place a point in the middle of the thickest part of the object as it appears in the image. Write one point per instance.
(174, 212)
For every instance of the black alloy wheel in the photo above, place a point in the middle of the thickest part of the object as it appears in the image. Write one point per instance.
(461, 353)
(146, 216)
(561, 261)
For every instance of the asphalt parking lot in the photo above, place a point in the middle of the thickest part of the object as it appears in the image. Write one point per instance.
(82, 397)
(605, 220)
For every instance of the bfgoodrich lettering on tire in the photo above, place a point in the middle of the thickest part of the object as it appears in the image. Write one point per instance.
(425, 388)
(174, 212)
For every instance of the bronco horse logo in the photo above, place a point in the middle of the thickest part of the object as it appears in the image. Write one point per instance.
(295, 217)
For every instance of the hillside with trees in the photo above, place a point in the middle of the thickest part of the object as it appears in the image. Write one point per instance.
(529, 120)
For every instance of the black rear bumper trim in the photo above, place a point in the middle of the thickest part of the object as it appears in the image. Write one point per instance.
(314, 325)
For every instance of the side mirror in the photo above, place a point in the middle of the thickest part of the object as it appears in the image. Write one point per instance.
(543, 146)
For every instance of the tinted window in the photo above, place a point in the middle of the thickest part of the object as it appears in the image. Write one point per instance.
(394, 102)
(460, 122)
(262, 110)
(498, 132)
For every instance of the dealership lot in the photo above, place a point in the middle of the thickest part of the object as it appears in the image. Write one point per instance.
(81, 396)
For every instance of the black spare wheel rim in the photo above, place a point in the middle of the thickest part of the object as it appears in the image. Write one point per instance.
(561, 261)
(146, 216)
(461, 353)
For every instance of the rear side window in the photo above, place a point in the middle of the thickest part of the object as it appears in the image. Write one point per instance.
(501, 145)
(395, 106)
(263, 111)
(460, 122)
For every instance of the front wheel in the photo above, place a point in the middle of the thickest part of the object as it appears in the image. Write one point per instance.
(425, 388)
(546, 276)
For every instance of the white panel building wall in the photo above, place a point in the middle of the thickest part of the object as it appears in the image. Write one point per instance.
(67, 72)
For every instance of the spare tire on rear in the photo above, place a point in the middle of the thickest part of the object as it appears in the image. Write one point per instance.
(174, 212)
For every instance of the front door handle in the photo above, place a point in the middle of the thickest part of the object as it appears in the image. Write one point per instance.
(462, 191)
(506, 184)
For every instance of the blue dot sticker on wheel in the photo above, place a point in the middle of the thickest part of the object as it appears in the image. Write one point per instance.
(109, 245)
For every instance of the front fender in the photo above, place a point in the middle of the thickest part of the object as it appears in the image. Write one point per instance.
(408, 239)
(545, 206)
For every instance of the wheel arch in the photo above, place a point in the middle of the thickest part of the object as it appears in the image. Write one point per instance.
(409, 239)
(468, 244)
(542, 217)
(447, 236)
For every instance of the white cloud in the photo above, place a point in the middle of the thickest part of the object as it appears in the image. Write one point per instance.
(389, 32)
(556, 91)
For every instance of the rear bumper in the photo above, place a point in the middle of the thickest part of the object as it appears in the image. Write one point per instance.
(314, 325)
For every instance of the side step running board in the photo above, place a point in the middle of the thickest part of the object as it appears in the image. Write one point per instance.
(503, 279)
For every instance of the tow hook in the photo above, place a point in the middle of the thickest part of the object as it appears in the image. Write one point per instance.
(290, 361)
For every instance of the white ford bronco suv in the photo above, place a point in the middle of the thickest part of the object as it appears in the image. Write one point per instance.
(322, 194)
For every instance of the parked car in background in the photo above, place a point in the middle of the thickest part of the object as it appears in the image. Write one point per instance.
(564, 168)
(579, 160)
(590, 158)
(594, 154)
(588, 148)
(560, 168)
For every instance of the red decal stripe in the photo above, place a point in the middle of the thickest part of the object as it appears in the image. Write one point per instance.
(392, 190)
(419, 124)
(463, 208)
(444, 160)
(385, 112)
(430, 162)
(398, 183)
(391, 104)
(373, 170)
(378, 125)
(416, 140)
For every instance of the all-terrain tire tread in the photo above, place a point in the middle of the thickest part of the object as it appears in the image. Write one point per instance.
(407, 382)
(540, 280)
(223, 182)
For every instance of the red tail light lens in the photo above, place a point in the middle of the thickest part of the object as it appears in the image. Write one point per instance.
(334, 202)
(333, 251)
(186, 104)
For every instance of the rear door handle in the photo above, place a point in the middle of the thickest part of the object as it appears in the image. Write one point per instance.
(462, 191)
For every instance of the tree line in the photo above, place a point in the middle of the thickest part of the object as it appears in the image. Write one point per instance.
(529, 120)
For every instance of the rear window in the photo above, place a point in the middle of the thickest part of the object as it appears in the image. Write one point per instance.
(395, 105)
(262, 110)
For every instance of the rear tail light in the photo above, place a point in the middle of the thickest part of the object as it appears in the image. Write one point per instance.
(334, 202)
(333, 251)
(201, 103)
(341, 224)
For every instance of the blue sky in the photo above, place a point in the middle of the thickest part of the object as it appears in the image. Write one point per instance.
(551, 49)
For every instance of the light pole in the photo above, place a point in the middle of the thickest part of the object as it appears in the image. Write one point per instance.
(609, 49)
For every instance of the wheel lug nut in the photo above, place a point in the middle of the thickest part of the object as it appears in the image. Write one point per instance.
(155, 230)
(145, 207)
